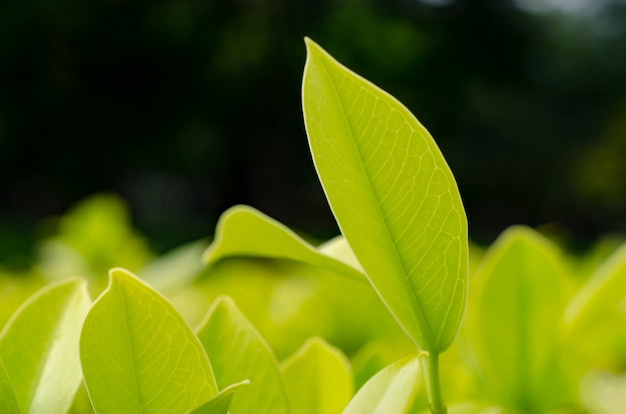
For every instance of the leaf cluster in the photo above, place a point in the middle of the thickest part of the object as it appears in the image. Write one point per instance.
(368, 322)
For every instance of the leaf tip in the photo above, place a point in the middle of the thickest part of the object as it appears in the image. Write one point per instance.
(308, 42)
(312, 48)
(119, 273)
(224, 301)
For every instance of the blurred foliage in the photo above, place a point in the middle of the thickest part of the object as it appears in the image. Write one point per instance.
(188, 107)
(290, 302)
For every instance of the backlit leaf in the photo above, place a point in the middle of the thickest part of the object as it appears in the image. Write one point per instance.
(39, 349)
(138, 354)
(393, 195)
(244, 231)
(392, 390)
(226, 330)
(318, 379)
(515, 315)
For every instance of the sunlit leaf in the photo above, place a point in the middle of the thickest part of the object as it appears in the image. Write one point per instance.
(221, 403)
(138, 354)
(226, 330)
(39, 348)
(244, 231)
(514, 323)
(393, 196)
(318, 379)
(392, 390)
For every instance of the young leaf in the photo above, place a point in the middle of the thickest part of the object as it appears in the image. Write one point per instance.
(515, 318)
(244, 231)
(220, 404)
(138, 354)
(393, 196)
(226, 329)
(39, 349)
(391, 390)
(318, 379)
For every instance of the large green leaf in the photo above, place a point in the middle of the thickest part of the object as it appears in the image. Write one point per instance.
(138, 354)
(393, 196)
(244, 231)
(514, 323)
(39, 349)
(226, 330)
(392, 390)
(318, 379)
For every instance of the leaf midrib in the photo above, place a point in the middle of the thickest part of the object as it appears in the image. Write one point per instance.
(427, 334)
(132, 348)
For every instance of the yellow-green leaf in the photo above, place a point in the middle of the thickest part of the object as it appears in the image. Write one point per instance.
(318, 379)
(515, 318)
(39, 349)
(244, 231)
(393, 195)
(225, 331)
(139, 355)
(392, 390)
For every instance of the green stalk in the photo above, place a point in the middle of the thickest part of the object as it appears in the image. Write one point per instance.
(430, 369)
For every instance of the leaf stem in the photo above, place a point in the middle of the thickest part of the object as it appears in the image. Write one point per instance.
(430, 369)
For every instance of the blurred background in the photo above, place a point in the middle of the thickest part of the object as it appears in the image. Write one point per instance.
(187, 107)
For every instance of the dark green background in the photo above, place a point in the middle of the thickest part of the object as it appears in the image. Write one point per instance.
(186, 107)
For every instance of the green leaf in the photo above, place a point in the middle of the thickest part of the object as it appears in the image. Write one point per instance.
(599, 298)
(8, 400)
(221, 403)
(318, 379)
(393, 196)
(39, 349)
(224, 330)
(138, 354)
(392, 390)
(514, 323)
(244, 231)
